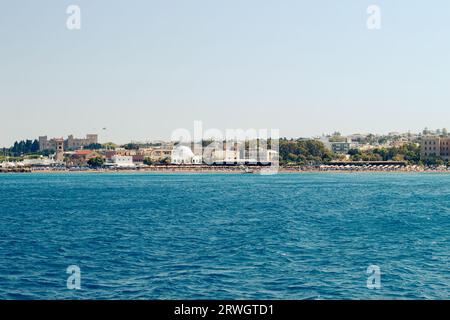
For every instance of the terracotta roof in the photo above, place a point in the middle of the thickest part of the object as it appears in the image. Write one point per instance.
(83, 152)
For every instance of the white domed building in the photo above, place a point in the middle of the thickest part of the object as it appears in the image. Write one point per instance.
(184, 155)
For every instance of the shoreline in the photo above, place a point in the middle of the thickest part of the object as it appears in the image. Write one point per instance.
(225, 170)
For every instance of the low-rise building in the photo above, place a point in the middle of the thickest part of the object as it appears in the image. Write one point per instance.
(40, 162)
(433, 146)
(81, 157)
(444, 145)
(122, 161)
(340, 147)
(239, 155)
(138, 158)
(160, 154)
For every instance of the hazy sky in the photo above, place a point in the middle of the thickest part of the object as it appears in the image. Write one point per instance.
(144, 68)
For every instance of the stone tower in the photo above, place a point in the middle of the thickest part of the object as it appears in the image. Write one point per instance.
(59, 150)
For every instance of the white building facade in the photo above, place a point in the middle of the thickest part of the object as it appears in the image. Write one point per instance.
(122, 161)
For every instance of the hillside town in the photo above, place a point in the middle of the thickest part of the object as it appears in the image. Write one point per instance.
(428, 150)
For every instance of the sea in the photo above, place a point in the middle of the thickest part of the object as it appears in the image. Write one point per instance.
(225, 236)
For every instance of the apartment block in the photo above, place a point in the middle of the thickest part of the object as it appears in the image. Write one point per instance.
(435, 146)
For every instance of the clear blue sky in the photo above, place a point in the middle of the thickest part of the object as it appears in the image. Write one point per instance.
(144, 68)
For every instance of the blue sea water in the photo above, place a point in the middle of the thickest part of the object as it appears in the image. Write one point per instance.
(214, 236)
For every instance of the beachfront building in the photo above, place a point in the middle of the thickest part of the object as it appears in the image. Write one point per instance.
(120, 152)
(81, 157)
(159, 154)
(40, 162)
(139, 155)
(430, 146)
(444, 145)
(122, 161)
(184, 155)
(229, 157)
(238, 155)
(433, 146)
(138, 159)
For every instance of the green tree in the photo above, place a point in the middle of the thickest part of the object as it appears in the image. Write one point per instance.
(35, 146)
(303, 151)
(93, 146)
(96, 162)
(109, 146)
(165, 161)
(131, 146)
(24, 147)
(148, 161)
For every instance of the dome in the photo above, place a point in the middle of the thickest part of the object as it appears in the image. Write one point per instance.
(182, 154)
(183, 151)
